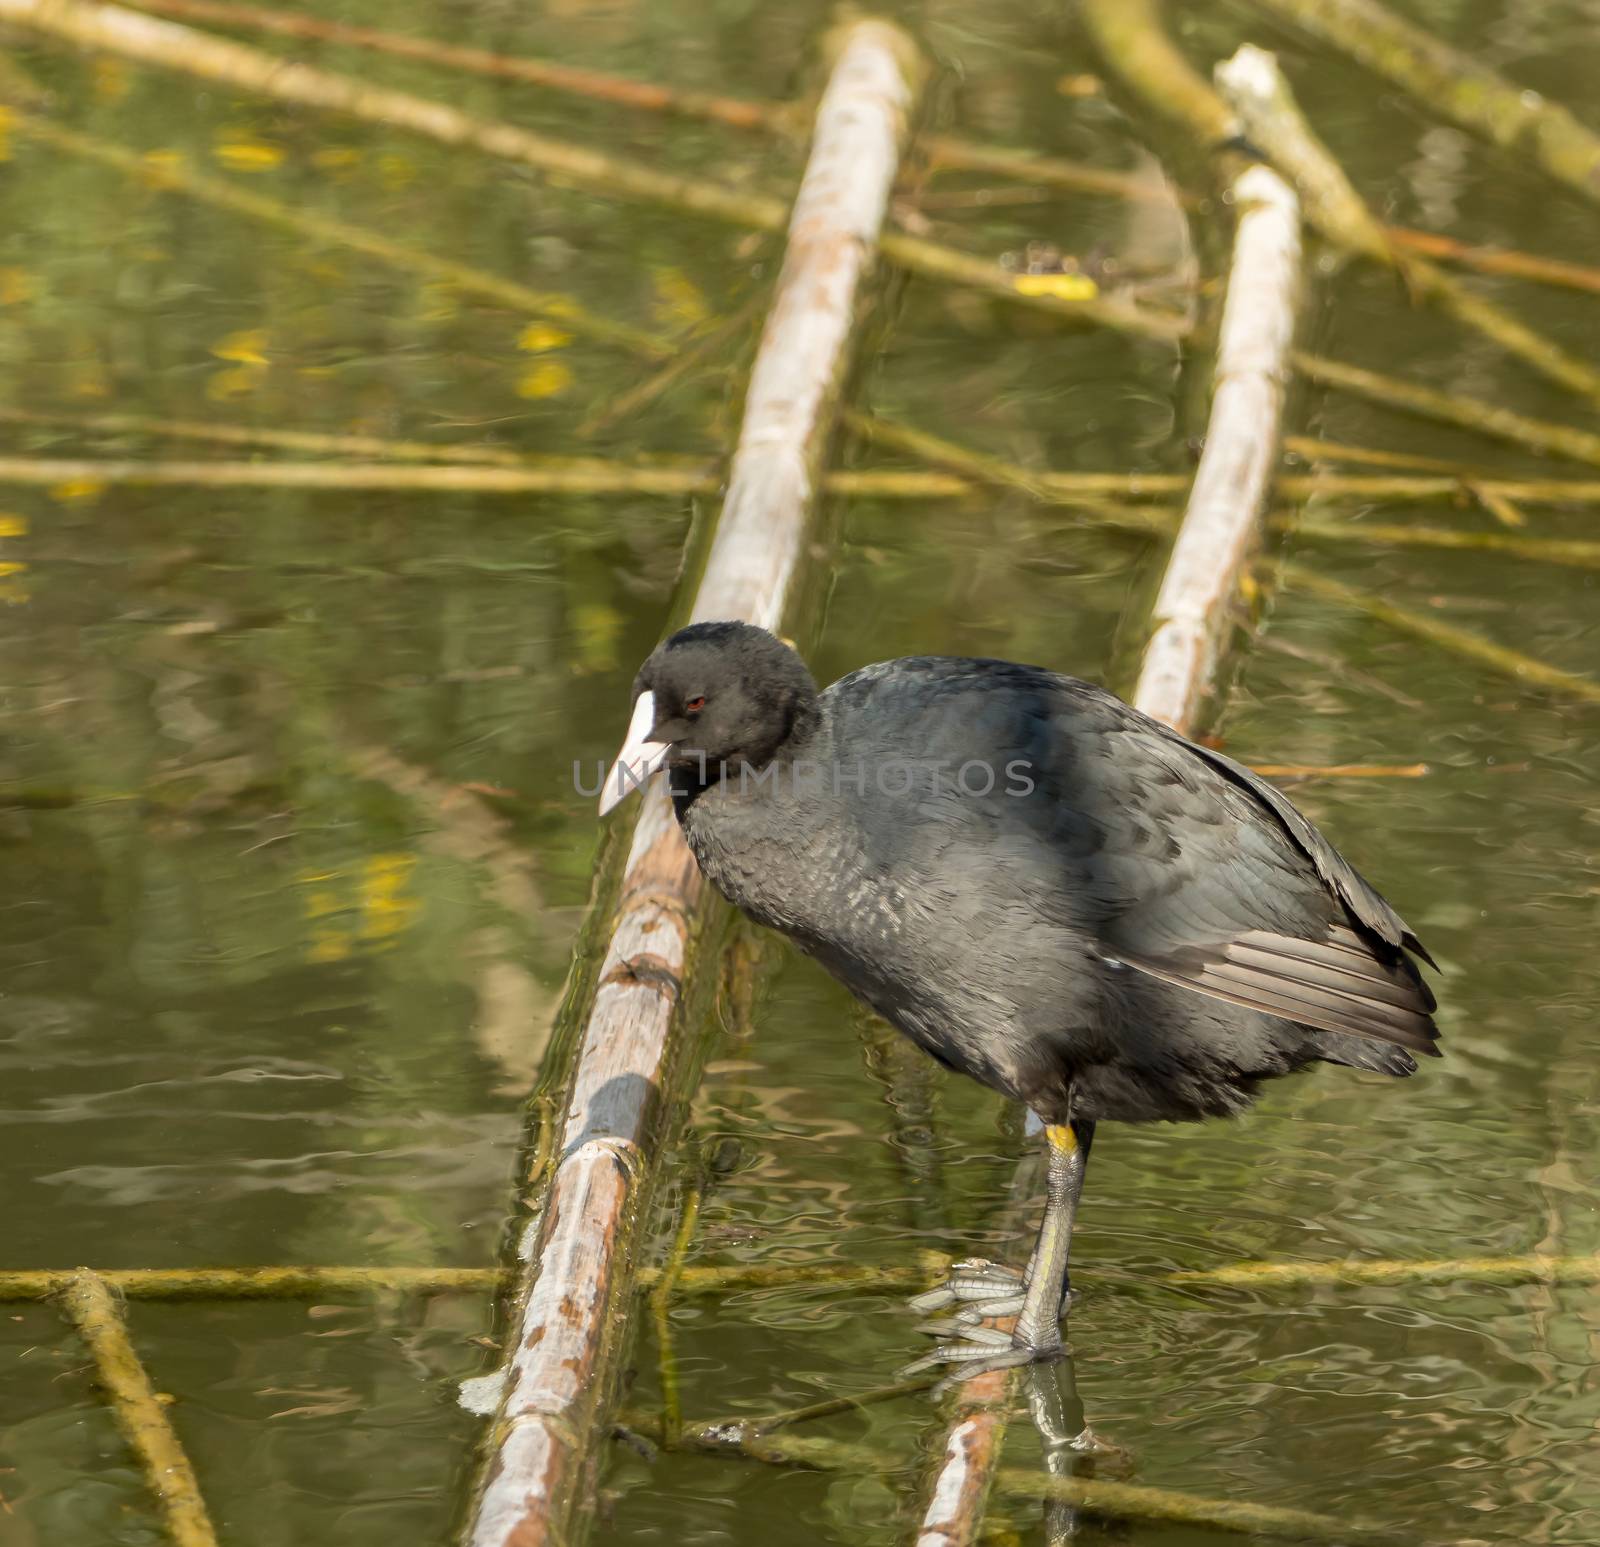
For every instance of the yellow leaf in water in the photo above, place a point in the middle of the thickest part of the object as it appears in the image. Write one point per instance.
(162, 167)
(1064, 287)
(388, 917)
(77, 489)
(549, 378)
(1080, 86)
(234, 382)
(245, 347)
(396, 172)
(88, 380)
(11, 568)
(598, 629)
(336, 158)
(385, 909)
(248, 155)
(110, 79)
(386, 872)
(542, 335)
(16, 285)
(678, 298)
(318, 905)
(1249, 587)
(329, 945)
(6, 120)
(13, 526)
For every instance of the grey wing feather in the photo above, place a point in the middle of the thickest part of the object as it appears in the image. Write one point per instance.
(1347, 883)
(1339, 966)
(1282, 976)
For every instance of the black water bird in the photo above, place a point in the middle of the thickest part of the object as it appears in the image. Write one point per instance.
(1042, 887)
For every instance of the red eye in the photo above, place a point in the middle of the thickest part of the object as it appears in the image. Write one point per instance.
(695, 705)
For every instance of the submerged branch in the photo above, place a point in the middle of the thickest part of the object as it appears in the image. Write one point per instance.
(1536, 435)
(1103, 1499)
(599, 85)
(661, 1309)
(1314, 449)
(690, 357)
(1447, 636)
(172, 46)
(1526, 1269)
(92, 1308)
(1191, 617)
(632, 1070)
(1452, 83)
(1542, 550)
(828, 1407)
(1272, 121)
(1089, 492)
(171, 176)
(562, 475)
(274, 1283)
(786, 120)
(781, 118)
(314, 442)
(1505, 261)
(932, 261)
(1130, 35)
(302, 1282)
(1083, 493)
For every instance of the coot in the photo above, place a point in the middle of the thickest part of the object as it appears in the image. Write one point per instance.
(1042, 887)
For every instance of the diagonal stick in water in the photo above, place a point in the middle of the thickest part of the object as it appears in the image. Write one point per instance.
(92, 1308)
(1193, 612)
(563, 1344)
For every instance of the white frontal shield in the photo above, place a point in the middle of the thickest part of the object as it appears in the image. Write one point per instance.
(639, 758)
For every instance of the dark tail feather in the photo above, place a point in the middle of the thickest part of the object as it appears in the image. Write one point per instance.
(1363, 1053)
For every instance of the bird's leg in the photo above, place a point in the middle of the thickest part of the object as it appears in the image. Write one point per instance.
(987, 1292)
(1039, 1321)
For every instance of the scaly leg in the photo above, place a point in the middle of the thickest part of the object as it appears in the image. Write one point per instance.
(988, 1292)
(1039, 1322)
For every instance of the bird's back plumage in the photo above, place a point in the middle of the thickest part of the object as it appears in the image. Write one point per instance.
(1146, 924)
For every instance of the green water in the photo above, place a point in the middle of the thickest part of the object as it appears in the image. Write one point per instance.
(295, 867)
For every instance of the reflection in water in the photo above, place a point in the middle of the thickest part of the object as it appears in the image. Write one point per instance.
(1051, 1391)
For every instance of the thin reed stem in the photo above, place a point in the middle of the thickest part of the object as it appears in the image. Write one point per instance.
(661, 1313)
(1536, 435)
(92, 1308)
(1447, 636)
(171, 176)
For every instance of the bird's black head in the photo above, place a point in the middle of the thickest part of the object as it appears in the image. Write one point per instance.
(713, 698)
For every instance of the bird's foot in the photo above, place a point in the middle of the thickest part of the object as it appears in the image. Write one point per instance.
(978, 1290)
(973, 1351)
(982, 1294)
